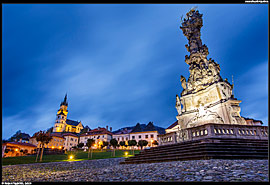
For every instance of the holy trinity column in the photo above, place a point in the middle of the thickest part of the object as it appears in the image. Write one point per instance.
(206, 97)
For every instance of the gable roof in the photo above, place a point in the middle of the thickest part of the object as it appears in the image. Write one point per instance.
(19, 143)
(149, 127)
(72, 122)
(69, 134)
(97, 131)
(255, 121)
(125, 130)
(173, 125)
(55, 134)
(137, 128)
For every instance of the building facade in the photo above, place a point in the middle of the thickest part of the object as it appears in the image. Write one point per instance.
(99, 135)
(139, 132)
(70, 140)
(57, 142)
(14, 149)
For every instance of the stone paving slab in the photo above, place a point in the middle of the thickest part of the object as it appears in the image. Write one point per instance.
(104, 170)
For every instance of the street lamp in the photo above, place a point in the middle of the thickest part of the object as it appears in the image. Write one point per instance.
(126, 154)
(152, 142)
(71, 157)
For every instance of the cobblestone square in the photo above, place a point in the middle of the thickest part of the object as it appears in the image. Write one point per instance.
(104, 170)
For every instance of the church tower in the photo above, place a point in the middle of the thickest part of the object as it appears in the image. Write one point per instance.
(61, 117)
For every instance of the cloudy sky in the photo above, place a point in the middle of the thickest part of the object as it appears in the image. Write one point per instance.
(121, 64)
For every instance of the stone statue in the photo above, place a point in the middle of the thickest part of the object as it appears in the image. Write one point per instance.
(178, 105)
(203, 72)
(206, 97)
(183, 82)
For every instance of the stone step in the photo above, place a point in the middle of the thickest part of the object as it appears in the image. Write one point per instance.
(204, 152)
(195, 157)
(201, 153)
(204, 149)
(264, 143)
(214, 145)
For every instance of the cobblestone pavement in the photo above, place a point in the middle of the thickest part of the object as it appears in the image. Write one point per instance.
(111, 170)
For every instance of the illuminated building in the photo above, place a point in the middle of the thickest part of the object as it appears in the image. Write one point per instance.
(62, 124)
(98, 134)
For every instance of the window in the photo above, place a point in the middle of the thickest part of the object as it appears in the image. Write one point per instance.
(152, 136)
(75, 140)
(126, 138)
(146, 136)
(140, 136)
(71, 139)
(133, 137)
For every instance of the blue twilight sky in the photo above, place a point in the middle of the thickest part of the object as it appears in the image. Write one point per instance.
(121, 64)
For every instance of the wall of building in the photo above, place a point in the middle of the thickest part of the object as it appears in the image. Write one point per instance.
(15, 150)
(70, 141)
(149, 136)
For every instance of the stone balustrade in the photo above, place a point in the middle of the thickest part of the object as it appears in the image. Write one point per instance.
(215, 130)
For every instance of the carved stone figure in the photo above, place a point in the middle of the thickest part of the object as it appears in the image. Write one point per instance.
(204, 83)
(178, 105)
(183, 82)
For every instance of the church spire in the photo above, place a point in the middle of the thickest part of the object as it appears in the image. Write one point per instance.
(65, 101)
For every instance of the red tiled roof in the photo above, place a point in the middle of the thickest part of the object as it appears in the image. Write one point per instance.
(70, 134)
(97, 131)
(19, 143)
(56, 135)
(173, 125)
(253, 120)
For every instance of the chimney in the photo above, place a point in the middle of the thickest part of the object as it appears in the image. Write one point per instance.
(125, 129)
(15, 140)
(110, 129)
(20, 140)
(107, 127)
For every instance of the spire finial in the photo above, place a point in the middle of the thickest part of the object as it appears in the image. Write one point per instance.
(65, 101)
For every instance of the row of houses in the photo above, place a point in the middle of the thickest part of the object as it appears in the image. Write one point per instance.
(68, 140)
